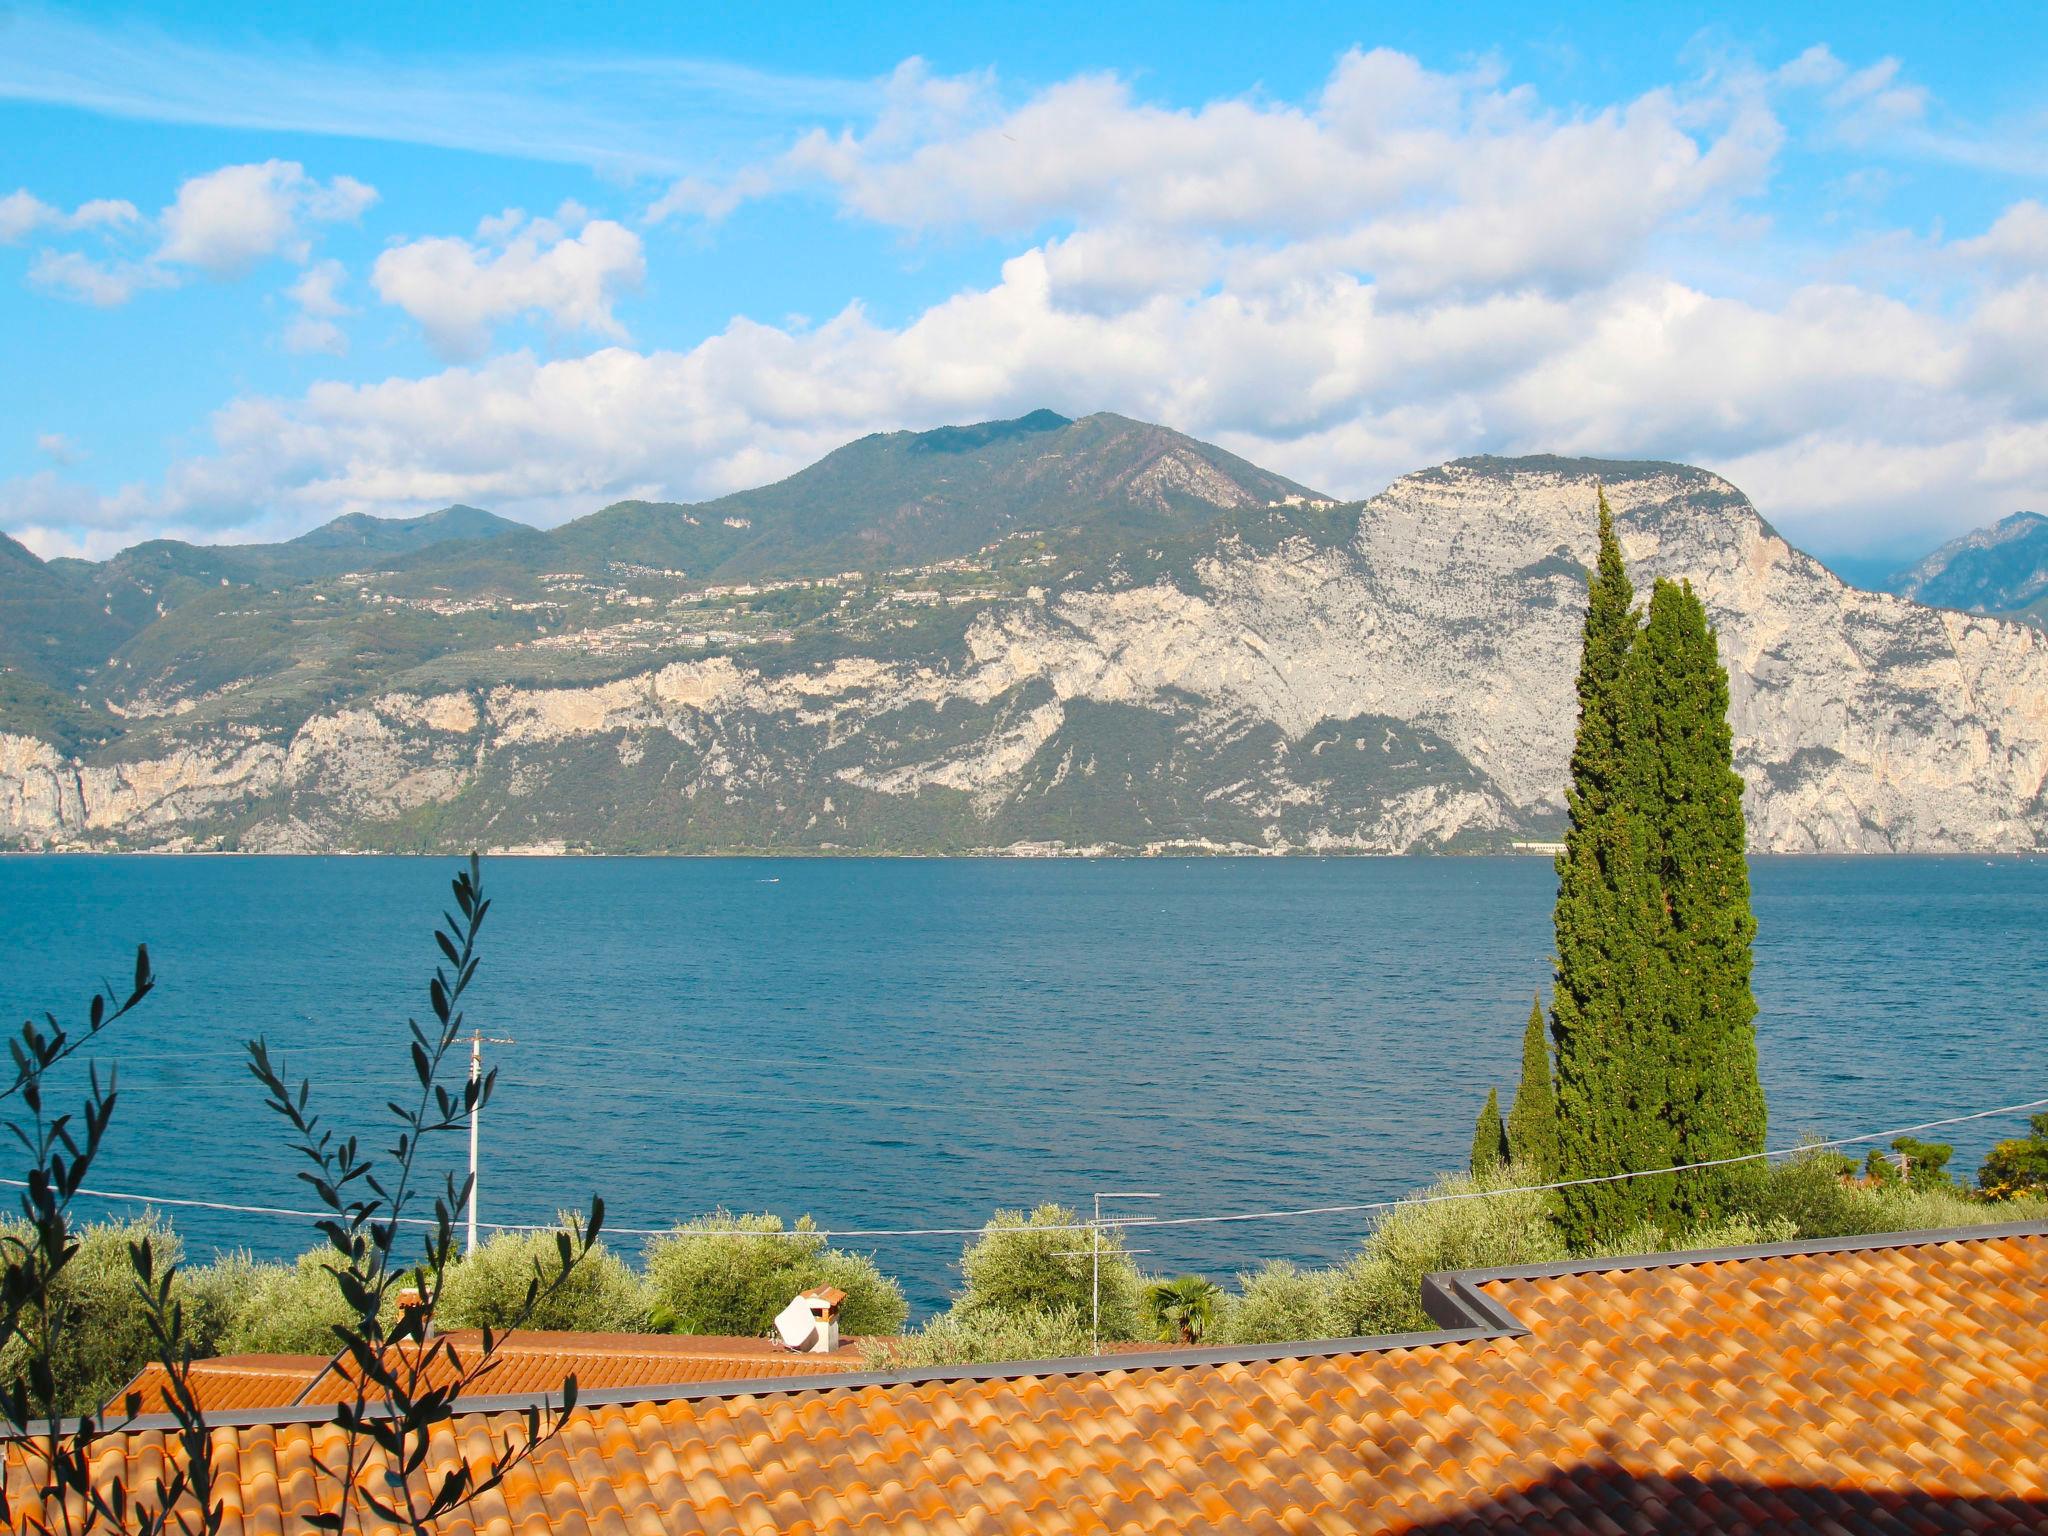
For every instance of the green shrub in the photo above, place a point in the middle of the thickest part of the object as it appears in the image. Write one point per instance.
(282, 1309)
(1371, 1295)
(1278, 1304)
(1023, 1265)
(1742, 1230)
(1905, 1208)
(1182, 1310)
(712, 1275)
(2018, 1166)
(107, 1338)
(488, 1289)
(956, 1338)
(1738, 1231)
(1880, 1169)
(213, 1295)
(1380, 1291)
(1926, 1162)
(1806, 1191)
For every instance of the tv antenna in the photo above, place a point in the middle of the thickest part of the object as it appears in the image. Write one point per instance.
(1094, 1252)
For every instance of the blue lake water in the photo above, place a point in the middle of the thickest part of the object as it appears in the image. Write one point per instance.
(912, 1043)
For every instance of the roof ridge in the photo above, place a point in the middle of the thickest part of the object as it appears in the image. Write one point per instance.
(1454, 1298)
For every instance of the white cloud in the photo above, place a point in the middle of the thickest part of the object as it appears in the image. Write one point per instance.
(2015, 244)
(1874, 100)
(317, 294)
(58, 448)
(1322, 380)
(633, 112)
(1104, 270)
(228, 220)
(222, 223)
(1877, 108)
(1422, 182)
(1408, 266)
(103, 284)
(709, 199)
(2009, 339)
(22, 214)
(1862, 103)
(459, 290)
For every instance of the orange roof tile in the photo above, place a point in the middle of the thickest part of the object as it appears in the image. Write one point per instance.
(525, 1363)
(529, 1363)
(1897, 1385)
(227, 1382)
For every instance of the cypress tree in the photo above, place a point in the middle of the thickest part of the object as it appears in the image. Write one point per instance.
(1489, 1137)
(1532, 1123)
(1607, 1016)
(1716, 1099)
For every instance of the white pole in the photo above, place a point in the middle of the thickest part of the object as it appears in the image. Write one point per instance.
(476, 1067)
(1095, 1308)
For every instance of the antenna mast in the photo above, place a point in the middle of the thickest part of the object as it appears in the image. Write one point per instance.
(477, 1040)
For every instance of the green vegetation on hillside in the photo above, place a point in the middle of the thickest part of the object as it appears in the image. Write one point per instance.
(182, 639)
(2018, 1166)
(903, 499)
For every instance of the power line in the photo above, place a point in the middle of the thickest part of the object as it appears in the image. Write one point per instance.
(1358, 1208)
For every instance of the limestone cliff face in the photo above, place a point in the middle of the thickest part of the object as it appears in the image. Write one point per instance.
(1411, 690)
(1863, 722)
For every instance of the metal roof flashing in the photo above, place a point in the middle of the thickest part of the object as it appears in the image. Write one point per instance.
(1454, 1298)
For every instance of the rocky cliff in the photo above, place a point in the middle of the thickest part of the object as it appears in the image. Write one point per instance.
(1395, 677)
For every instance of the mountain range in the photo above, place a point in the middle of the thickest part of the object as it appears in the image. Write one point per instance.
(2000, 569)
(1037, 635)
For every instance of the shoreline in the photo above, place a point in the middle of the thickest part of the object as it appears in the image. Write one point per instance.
(978, 855)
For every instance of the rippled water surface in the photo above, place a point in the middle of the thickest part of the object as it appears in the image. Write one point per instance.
(892, 1043)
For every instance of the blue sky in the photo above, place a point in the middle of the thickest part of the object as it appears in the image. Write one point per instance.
(260, 266)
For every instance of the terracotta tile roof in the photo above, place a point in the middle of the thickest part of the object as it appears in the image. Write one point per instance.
(228, 1382)
(526, 1363)
(1898, 1384)
(530, 1363)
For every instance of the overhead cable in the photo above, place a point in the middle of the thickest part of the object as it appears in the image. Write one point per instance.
(1352, 1208)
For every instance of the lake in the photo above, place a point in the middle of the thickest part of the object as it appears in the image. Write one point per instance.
(913, 1043)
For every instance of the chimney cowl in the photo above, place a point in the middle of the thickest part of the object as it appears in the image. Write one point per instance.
(810, 1323)
(411, 1303)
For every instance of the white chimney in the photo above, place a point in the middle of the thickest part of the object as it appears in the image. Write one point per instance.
(810, 1323)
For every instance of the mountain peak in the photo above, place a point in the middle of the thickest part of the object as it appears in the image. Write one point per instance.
(14, 552)
(386, 535)
(1571, 467)
(968, 438)
(2000, 569)
(894, 500)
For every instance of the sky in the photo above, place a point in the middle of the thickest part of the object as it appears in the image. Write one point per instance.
(264, 265)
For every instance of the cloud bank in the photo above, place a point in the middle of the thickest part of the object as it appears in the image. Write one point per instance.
(222, 224)
(459, 290)
(1409, 266)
